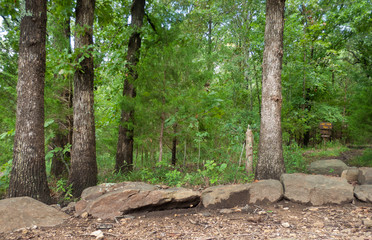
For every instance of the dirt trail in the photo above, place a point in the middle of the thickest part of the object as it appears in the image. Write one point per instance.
(283, 220)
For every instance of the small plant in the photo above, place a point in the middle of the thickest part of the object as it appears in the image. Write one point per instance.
(212, 171)
(64, 189)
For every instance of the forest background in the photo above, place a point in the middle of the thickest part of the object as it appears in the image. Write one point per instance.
(198, 85)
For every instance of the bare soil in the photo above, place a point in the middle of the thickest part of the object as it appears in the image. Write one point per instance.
(284, 220)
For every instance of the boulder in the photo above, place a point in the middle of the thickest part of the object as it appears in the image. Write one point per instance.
(332, 167)
(365, 175)
(316, 189)
(129, 197)
(225, 196)
(363, 193)
(265, 191)
(350, 174)
(24, 212)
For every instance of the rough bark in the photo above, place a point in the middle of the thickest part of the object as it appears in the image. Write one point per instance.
(270, 164)
(124, 153)
(174, 145)
(83, 172)
(249, 151)
(28, 175)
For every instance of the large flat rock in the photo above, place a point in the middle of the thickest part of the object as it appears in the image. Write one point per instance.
(316, 189)
(225, 196)
(108, 201)
(332, 167)
(23, 212)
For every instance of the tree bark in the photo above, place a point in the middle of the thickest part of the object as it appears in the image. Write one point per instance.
(174, 145)
(270, 164)
(83, 172)
(124, 153)
(249, 151)
(28, 175)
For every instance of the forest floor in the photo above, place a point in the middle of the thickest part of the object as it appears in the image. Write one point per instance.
(284, 220)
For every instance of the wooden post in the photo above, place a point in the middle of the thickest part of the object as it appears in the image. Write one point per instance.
(249, 150)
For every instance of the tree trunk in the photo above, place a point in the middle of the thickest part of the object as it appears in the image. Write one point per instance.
(161, 137)
(124, 153)
(174, 145)
(270, 164)
(28, 175)
(83, 172)
(249, 151)
(64, 132)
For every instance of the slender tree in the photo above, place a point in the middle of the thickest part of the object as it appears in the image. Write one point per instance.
(83, 171)
(28, 175)
(61, 32)
(270, 163)
(124, 153)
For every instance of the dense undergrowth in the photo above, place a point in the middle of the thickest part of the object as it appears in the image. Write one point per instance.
(209, 173)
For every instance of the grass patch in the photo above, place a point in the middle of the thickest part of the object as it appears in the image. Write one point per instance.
(363, 161)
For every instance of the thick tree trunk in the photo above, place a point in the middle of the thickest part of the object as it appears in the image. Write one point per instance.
(28, 175)
(124, 153)
(270, 164)
(83, 172)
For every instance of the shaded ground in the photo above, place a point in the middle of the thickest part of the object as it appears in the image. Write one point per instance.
(283, 220)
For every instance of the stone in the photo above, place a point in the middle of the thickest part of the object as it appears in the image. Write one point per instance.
(365, 175)
(286, 225)
(26, 212)
(69, 208)
(265, 191)
(126, 198)
(363, 193)
(96, 191)
(332, 167)
(316, 189)
(367, 223)
(350, 174)
(225, 196)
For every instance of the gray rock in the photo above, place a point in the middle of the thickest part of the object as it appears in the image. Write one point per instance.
(118, 201)
(96, 191)
(350, 174)
(363, 193)
(332, 167)
(225, 196)
(316, 189)
(264, 191)
(365, 175)
(69, 208)
(25, 212)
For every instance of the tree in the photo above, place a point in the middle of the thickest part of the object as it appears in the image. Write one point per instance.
(124, 154)
(28, 176)
(60, 92)
(270, 163)
(83, 171)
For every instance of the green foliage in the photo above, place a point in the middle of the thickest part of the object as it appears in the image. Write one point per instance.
(293, 159)
(62, 189)
(363, 161)
(4, 176)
